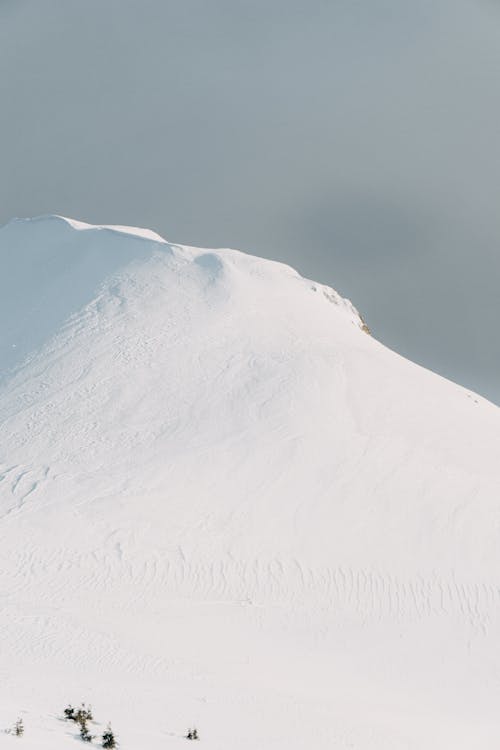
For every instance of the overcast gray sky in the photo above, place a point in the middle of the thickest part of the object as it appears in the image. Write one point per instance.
(358, 140)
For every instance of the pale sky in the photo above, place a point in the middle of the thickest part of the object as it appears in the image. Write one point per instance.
(358, 140)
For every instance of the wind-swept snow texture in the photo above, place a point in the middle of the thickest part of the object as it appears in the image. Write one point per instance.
(224, 505)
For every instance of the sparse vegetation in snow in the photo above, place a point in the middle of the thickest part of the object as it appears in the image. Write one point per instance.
(84, 733)
(83, 714)
(108, 738)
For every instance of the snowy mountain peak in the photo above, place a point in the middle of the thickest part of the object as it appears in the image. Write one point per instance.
(58, 266)
(216, 491)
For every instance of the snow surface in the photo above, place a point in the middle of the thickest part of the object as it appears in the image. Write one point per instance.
(223, 504)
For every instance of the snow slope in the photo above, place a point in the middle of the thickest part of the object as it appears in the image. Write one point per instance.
(223, 503)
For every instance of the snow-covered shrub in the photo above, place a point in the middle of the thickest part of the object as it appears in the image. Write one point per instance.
(84, 733)
(69, 713)
(83, 714)
(108, 738)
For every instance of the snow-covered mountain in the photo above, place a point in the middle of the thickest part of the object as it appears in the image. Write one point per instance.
(223, 503)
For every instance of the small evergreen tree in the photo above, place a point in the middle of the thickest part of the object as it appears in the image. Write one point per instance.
(69, 713)
(108, 738)
(84, 733)
(19, 728)
(83, 714)
(192, 734)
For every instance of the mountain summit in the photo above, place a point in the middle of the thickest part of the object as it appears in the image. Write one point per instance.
(223, 502)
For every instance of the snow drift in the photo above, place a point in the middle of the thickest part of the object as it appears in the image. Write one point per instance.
(223, 503)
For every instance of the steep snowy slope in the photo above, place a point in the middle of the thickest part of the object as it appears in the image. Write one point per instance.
(222, 502)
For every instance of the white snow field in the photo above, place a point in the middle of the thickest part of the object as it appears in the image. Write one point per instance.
(223, 504)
